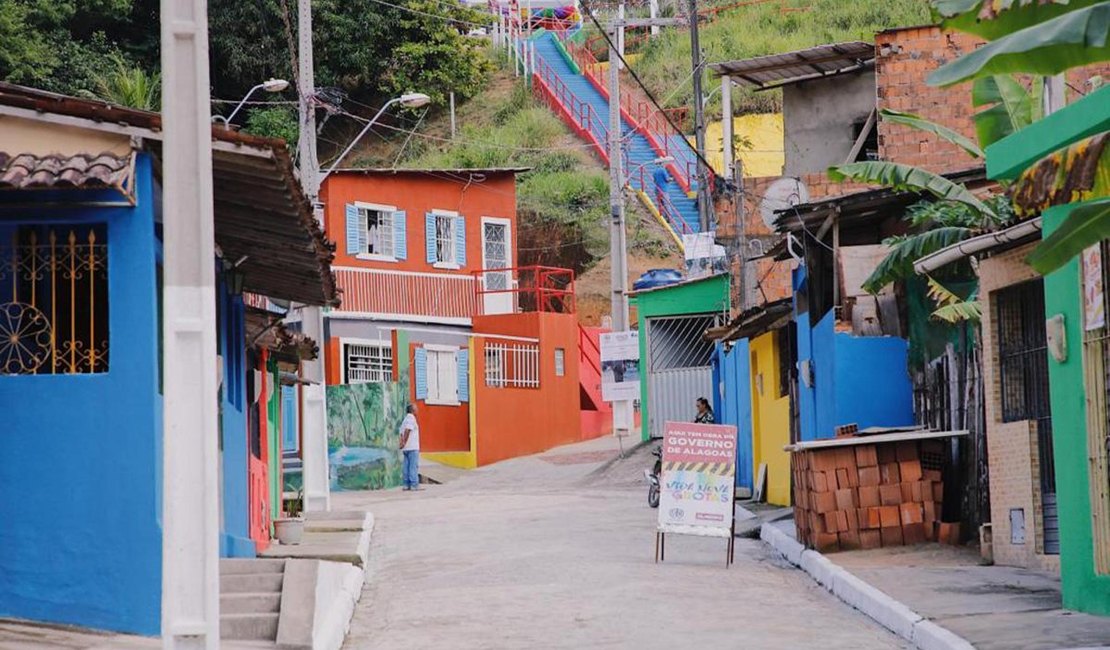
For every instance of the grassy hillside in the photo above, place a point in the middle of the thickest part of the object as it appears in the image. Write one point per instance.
(765, 29)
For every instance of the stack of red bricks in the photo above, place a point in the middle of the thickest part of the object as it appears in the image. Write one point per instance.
(870, 495)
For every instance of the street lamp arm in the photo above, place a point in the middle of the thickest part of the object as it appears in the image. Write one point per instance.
(228, 119)
(358, 137)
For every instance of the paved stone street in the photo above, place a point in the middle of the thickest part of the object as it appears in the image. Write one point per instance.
(556, 551)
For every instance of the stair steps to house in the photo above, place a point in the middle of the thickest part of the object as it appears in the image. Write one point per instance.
(589, 368)
(680, 211)
(250, 598)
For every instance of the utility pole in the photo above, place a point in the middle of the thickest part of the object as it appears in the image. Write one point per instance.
(314, 412)
(190, 453)
(699, 120)
(618, 249)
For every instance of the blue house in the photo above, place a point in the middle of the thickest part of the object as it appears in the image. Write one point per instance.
(80, 373)
(852, 347)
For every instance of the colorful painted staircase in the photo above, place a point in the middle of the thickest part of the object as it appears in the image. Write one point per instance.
(580, 102)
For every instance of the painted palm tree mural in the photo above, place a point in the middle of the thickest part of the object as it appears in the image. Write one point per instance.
(363, 423)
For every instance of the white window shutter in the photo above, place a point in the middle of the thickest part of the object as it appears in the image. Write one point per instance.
(460, 241)
(355, 233)
(430, 237)
(400, 237)
(462, 360)
(420, 364)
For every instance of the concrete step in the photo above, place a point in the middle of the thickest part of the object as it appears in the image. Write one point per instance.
(250, 603)
(237, 566)
(249, 627)
(251, 583)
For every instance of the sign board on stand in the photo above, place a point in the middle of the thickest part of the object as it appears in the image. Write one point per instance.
(620, 366)
(697, 483)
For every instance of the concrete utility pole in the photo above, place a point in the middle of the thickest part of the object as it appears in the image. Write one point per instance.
(618, 248)
(314, 411)
(699, 120)
(190, 453)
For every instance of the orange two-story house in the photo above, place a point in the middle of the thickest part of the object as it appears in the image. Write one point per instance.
(431, 294)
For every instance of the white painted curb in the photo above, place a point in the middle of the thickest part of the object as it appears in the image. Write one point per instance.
(884, 610)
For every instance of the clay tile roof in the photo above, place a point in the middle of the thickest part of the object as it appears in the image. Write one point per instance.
(81, 171)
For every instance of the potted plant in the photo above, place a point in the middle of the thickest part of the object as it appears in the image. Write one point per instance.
(290, 529)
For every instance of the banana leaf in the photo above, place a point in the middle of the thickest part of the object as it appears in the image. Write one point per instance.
(898, 264)
(992, 19)
(1011, 107)
(922, 124)
(1068, 41)
(1087, 225)
(905, 177)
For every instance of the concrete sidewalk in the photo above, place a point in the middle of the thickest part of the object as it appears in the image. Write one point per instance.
(942, 597)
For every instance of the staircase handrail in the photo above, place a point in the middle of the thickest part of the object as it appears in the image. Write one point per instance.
(582, 115)
(643, 116)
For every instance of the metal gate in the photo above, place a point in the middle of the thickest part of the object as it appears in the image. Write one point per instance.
(679, 368)
(1023, 361)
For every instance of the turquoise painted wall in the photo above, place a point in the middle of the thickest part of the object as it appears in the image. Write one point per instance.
(703, 296)
(1083, 588)
(80, 536)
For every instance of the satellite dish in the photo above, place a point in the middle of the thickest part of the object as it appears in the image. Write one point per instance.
(780, 195)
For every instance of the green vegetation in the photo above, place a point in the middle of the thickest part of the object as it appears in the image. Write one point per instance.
(563, 200)
(365, 48)
(759, 30)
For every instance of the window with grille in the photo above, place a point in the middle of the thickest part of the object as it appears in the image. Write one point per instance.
(445, 239)
(378, 231)
(367, 364)
(54, 300)
(1096, 369)
(512, 365)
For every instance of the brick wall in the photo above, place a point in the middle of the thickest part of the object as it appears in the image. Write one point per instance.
(905, 59)
(1013, 460)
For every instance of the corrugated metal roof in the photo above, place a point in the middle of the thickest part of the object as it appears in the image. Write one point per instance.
(414, 170)
(779, 69)
(261, 213)
(82, 171)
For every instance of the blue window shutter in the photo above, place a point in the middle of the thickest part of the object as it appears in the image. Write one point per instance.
(352, 230)
(420, 363)
(400, 238)
(430, 237)
(460, 241)
(462, 360)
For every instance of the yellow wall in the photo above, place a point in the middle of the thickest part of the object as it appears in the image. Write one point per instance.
(764, 157)
(770, 419)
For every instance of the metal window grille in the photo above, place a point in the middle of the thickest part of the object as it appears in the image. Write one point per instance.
(679, 342)
(368, 363)
(445, 239)
(497, 255)
(512, 365)
(54, 300)
(1023, 372)
(1096, 369)
(379, 231)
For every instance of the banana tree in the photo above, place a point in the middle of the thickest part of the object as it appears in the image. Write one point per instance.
(1045, 38)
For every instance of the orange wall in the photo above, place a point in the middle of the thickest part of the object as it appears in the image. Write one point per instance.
(333, 365)
(515, 422)
(418, 193)
(442, 428)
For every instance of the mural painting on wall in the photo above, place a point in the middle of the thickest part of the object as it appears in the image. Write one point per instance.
(363, 422)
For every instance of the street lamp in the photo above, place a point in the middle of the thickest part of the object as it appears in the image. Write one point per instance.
(408, 100)
(270, 86)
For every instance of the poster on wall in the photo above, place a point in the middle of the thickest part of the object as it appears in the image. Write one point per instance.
(620, 366)
(1094, 303)
(703, 255)
(699, 476)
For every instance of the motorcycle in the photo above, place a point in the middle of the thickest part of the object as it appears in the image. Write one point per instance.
(653, 478)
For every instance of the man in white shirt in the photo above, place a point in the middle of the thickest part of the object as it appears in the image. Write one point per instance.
(410, 448)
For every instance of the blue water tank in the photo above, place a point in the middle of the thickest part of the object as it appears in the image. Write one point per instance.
(656, 278)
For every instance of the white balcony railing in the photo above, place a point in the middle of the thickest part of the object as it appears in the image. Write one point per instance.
(385, 293)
